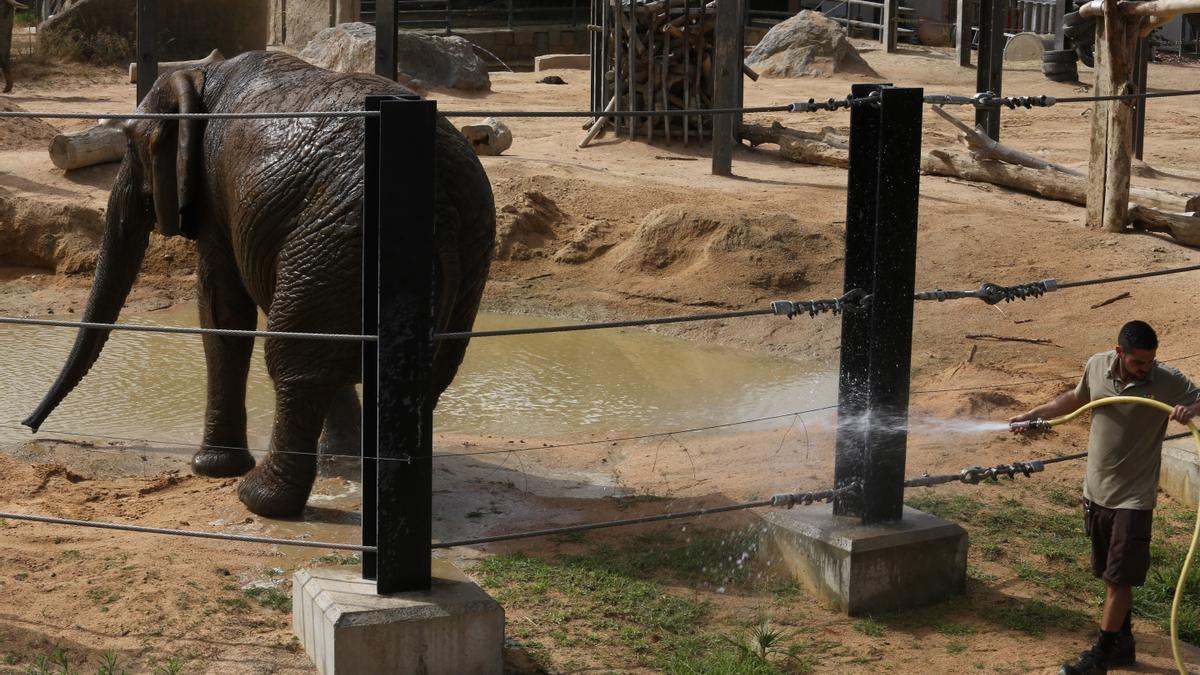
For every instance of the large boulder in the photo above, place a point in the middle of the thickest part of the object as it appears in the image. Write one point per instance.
(105, 30)
(808, 44)
(424, 61)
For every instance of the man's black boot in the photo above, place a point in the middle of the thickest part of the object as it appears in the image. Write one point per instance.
(1094, 661)
(1124, 652)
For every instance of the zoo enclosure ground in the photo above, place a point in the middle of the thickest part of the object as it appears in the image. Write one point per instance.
(635, 229)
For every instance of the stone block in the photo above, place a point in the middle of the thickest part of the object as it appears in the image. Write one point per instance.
(346, 629)
(1180, 475)
(562, 61)
(918, 560)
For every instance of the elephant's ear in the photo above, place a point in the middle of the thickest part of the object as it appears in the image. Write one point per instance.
(176, 161)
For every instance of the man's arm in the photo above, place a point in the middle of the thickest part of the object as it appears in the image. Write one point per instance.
(1068, 403)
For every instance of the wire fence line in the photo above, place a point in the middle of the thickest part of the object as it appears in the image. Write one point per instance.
(978, 100)
(185, 533)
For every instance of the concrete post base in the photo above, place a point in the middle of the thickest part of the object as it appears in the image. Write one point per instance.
(453, 628)
(862, 569)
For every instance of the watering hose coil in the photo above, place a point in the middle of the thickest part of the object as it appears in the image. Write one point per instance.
(1041, 424)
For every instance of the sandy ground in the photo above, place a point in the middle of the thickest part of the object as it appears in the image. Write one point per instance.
(626, 237)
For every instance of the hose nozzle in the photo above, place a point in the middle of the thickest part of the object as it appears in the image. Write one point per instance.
(1038, 424)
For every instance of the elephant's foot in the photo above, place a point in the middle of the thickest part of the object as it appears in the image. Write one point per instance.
(7, 88)
(271, 492)
(221, 463)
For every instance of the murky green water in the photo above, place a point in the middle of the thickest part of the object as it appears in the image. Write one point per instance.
(151, 386)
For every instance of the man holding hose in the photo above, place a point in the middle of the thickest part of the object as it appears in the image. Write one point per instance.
(1121, 482)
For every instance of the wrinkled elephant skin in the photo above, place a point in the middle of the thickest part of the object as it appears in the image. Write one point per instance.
(274, 207)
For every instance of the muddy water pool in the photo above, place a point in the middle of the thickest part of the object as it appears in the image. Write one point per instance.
(151, 386)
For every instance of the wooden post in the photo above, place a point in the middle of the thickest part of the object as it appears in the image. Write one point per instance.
(1112, 121)
(727, 71)
(988, 76)
(891, 9)
(147, 46)
(962, 30)
(1139, 86)
(385, 39)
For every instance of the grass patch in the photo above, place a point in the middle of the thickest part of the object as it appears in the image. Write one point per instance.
(955, 648)
(870, 626)
(270, 597)
(337, 559)
(956, 628)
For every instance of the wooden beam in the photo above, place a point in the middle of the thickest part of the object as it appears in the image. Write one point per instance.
(962, 32)
(728, 73)
(1157, 7)
(890, 14)
(1112, 122)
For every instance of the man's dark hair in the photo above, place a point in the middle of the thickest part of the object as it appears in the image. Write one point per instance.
(1137, 335)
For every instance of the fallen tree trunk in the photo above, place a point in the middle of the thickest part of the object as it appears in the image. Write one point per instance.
(824, 147)
(1183, 227)
(105, 142)
(168, 66)
(1042, 182)
(982, 145)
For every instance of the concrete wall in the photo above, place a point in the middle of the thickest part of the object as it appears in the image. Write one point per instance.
(518, 47)
(188, 29)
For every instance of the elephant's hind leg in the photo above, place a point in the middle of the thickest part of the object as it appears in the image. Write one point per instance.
(279, 486)
(224, 303)
(341, 439)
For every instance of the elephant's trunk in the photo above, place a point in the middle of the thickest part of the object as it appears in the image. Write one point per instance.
(122, 248)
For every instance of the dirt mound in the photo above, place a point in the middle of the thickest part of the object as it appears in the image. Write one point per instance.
(22, 133)
(524, 228)
(700, 250)
(808, 44)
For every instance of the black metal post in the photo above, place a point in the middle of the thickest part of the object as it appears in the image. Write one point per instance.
(147, 46)
(404, 485)
(861, 203)
(892, 303)
(385, 39)
(989, 73)
(370, 326)
(1139, 86)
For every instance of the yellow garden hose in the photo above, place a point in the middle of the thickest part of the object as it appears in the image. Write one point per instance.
(1187, 561)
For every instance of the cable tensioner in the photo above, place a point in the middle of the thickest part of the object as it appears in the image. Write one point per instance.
(851, 300)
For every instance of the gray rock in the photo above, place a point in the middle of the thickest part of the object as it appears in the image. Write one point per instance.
(489, 137)
(808, 44)
(424, 61)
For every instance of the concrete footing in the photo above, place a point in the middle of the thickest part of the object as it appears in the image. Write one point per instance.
(1180, 475)
(918, 560)
(454, 628)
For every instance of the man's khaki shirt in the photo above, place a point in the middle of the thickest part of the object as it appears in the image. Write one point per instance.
(1125, 443)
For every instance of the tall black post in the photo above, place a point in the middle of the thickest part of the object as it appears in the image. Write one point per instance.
(891, 306)
(370, 326)
(989, 73)
(861, 203)
(385, 39)
(147, 46)
(1139, 87)
(404, 485)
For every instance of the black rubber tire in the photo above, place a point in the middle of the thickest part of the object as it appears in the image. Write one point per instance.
(1087, 54)
(1073, 18)
(1059, 68)
(1059, 56)
(1063, 77)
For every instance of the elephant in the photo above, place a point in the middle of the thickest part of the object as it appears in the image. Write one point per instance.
(8, 12)
(274, 207)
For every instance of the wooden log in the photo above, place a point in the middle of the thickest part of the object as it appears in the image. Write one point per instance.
(983, 146)
(1112, 122)
(1183, 227)
(1158, 7)
(797, 146)
(168, 66)
(105, 142)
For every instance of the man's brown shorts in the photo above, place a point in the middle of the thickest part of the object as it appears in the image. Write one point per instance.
(1120, 543)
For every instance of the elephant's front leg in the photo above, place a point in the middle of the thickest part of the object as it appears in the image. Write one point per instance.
(224, 303)
(279, 486)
